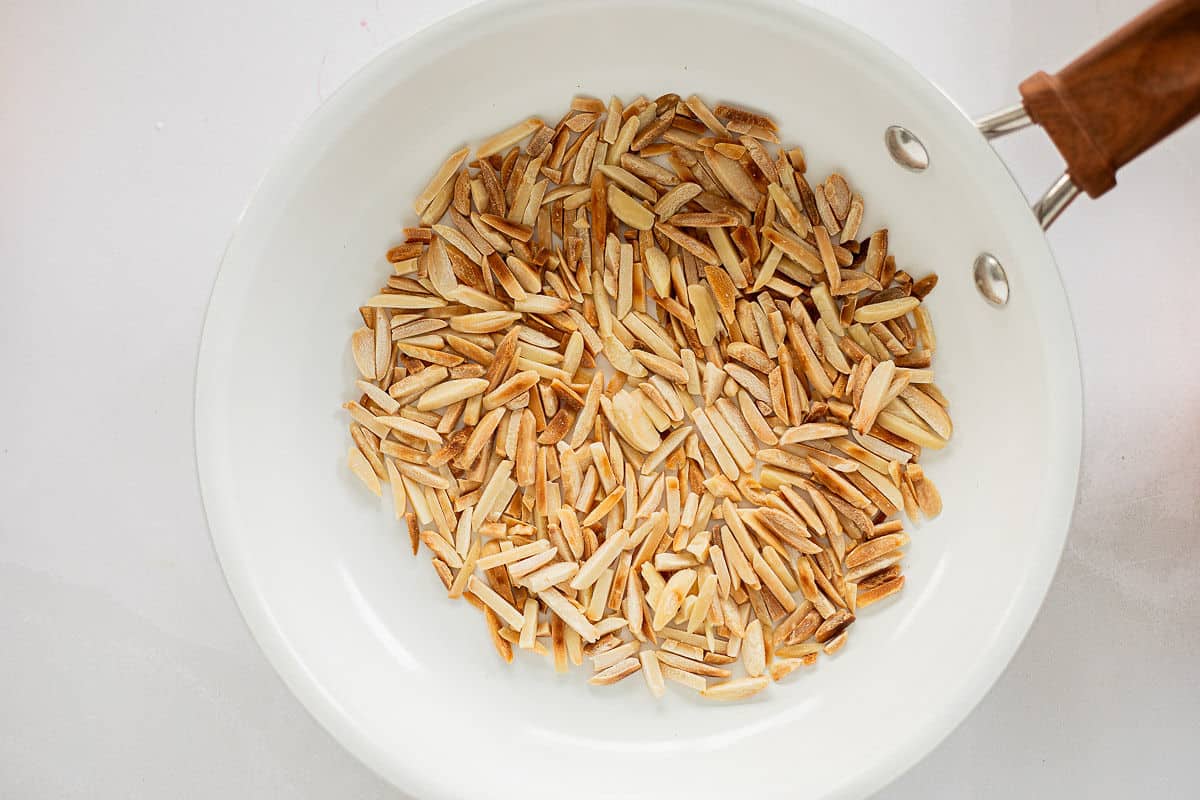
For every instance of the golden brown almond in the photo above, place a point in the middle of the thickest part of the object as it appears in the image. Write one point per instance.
(736, 689)
(877, 593)
(444, 175)
(679, 196)
(875, 548)
(507, 138)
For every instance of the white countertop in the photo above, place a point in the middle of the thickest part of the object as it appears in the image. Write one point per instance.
(131, 136)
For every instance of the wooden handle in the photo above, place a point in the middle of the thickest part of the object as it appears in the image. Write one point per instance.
(1123, 96)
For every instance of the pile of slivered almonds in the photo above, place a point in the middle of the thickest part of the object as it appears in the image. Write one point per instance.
(729, 492)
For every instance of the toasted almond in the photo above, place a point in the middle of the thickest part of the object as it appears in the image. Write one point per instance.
(705, 219)
(436, 184)
(705, 310)
(670, 599)
(706, 116)
(754, 655)
(507, 138)
(833, 480)
(811, 431)
(853, 220)
(873, 393)
(629, 210)
(888, 309)
(733, 178)
(683, 677)
(449, 392)
(795, 249)
(515, 554)
(679, 196)
(877, 593)
(619, 176)
(619, 671)
(364, 471)
(405, 301)
(362, 346)
(600, 560)
(686, 664)
(928, 410)
(837, 194)
(495, 602)
(652, 672)
(484, 321)
(688, 243)
(907, 430)
(726, 111)
(833, 625)
(875, 548)
(724, 459)
(736, 689)
(513, 230)
(928, 498)
(550, 576)
(569, 614)
(411, 427)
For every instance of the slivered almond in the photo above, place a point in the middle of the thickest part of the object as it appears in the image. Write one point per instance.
(726, 111)
(928, 410)
(507, 138)
(411, 427)
(363, 470)
(629, 210)
(444, 174)
(513, 230)
(796, 250)
(837, 194)
(705, 313)
(754, 654)
(495, 602)
(812, 431)
(405, 301)
(876, 593)
(853, 220)
(679, 196)
(449, 392)
(670, 599)
(734, 178)
(704, 220)
(693, 666)
(517, 384)
(619, 671)
(875, 548)
(362, 346)
(906, 430)
(569, 614)
(736, 689)
(688, 243)
(485, 321)
(706, 116)
(872, 396)
(749, 381)
(619, 176)
(888, 309)
(662, 366)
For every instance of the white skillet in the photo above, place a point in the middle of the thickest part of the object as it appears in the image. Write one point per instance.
(361, 631)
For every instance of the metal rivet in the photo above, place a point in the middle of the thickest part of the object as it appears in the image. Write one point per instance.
(906, 149)
(991, 280)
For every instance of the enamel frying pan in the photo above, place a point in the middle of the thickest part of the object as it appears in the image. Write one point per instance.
(405, 679)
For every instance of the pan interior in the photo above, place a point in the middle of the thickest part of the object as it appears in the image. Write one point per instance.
(363, 633)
